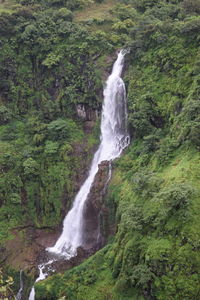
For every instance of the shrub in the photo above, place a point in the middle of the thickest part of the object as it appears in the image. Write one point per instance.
(191, 26)
(64, 14)
(5, 115)
(192, 6)
(142, 276)
(62, 129)
(190, 122)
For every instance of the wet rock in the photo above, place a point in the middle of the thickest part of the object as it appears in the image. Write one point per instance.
(22, 251)
(59, 263)
(92, 236)
(86, 113)
(80, 110)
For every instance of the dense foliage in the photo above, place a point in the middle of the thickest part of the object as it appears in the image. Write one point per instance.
(5, 287)
(47, 68)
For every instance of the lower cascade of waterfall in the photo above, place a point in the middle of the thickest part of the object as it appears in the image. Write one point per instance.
(19, 294)
(114, 138)
(42, 275)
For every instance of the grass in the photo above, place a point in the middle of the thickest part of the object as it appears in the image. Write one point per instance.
(95, 11)
(8, 6)
(184, 167)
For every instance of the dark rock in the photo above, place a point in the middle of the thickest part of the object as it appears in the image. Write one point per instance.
(86, 113)
(92, 236)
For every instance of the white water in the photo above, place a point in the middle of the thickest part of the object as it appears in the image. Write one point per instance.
(42, 275)
(19, 294)
(114, 139)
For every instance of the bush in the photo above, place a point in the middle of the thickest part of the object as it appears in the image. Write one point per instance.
(192, 6)
(144, 115)
(5, 115)
(51, 148)
(121, 285)
(5, 287)
(166, 149)
(64, 13)
(190, 122)
(62, 129)
(177, 196)
(151, 142)
(191, 26)
(31, 168)
(142, 276)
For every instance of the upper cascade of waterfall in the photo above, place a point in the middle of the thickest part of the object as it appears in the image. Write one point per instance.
(114, 139)
(118, 65)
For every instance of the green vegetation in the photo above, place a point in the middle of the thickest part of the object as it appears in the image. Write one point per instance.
(53, 56)
(5, 287)
(9, 6)
(91, 280)
(100, 10)
(46, 70)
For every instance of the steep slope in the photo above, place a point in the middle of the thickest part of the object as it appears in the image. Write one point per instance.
(154, 193)
(49, 104)
(47, 70)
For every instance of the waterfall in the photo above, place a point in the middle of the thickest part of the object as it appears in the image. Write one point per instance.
(41, 276)
(114, 138)
(21, 286)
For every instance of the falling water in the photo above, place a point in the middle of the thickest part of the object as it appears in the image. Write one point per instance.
(19, 294)
(41, 276)
(114, 138)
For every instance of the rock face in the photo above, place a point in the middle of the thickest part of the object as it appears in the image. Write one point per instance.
(23, 250)
(93, 209)
(87, 113)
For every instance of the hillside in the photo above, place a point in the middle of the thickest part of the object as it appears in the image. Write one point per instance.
(55, 55)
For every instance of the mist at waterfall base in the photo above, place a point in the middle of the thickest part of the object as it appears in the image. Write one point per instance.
(114, 138)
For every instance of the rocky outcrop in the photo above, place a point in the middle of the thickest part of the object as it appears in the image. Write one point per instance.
(94, 208)
(27, 243)
(86, 113)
